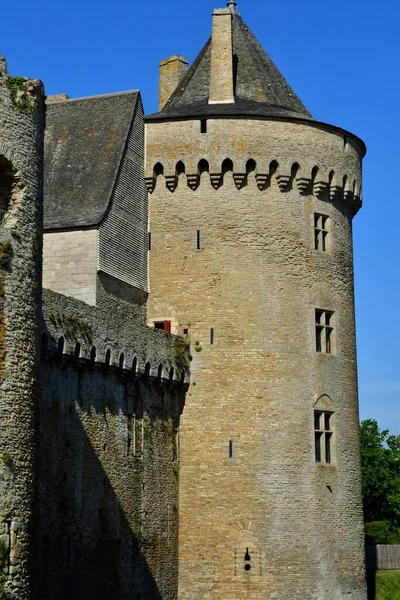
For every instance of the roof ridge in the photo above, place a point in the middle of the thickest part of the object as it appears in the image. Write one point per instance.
(69, 100)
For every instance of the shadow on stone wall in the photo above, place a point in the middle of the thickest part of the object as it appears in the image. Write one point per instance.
(371, 584)
(107, 500)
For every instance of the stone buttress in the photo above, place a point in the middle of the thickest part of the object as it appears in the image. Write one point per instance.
(21, 159)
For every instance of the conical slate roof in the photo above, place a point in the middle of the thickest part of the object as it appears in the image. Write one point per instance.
(259, 87)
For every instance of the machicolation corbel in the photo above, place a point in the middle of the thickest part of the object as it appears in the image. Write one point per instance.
(314, 182)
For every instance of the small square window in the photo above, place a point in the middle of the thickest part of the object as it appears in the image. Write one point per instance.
(163, 325)
(322, 238)
(324, 332)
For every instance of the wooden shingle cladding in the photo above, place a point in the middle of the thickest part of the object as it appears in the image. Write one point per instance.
(124, 228)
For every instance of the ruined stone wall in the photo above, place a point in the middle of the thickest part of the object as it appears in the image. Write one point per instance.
(107, 517)
(21, 160)
(233, 258)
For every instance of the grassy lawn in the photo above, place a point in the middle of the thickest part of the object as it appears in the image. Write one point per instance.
(384, 585)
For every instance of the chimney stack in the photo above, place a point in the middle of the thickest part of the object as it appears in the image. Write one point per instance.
(221, 77)
(172, 70)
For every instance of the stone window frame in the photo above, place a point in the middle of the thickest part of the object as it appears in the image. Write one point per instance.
(322, 232)
(325, 331)
(162, 325)
(324, 437)
(324, 428)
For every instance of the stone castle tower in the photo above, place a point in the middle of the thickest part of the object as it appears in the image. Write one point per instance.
(251, 207)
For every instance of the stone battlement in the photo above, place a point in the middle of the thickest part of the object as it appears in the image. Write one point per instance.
(314, 181)
(75, 331)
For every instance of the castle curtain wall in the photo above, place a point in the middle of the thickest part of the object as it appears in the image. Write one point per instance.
(107, 496)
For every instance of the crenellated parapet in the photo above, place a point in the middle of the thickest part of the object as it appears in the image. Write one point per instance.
(323, 184)
(309, 158)
(74, 332)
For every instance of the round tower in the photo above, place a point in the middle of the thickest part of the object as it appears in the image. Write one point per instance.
(21, 158)
(251, 204)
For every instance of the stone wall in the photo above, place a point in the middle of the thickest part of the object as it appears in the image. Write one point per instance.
(21, 152)
(70, 262)
(233, 258)
(107, 517)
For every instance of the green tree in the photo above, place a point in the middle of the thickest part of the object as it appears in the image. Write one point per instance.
(380, 460)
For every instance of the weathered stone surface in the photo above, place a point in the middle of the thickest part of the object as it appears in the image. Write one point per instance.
(235, 265)
(21, 153)
(249, 481)
(90, 461)
(70, 259)
(107, 517)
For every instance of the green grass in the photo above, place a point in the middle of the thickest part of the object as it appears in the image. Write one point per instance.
(384, 585)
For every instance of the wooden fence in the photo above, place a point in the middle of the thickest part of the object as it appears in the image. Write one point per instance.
(383, 557)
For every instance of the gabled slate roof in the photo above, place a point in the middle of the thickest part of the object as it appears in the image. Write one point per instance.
(84, 143)
(259, 87)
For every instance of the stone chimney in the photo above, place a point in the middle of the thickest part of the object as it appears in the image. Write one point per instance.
(221, 77)
(172, 70)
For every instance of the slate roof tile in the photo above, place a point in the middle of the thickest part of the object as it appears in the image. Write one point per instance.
(84, 143)
(260, 88)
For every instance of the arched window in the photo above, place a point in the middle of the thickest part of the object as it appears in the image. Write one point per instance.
(8, 182)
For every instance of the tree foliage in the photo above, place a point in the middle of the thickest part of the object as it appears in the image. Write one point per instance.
(380, 460)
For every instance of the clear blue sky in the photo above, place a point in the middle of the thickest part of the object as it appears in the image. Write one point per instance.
(342, 59)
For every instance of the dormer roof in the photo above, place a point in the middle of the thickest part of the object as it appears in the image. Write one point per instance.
(258, 86)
